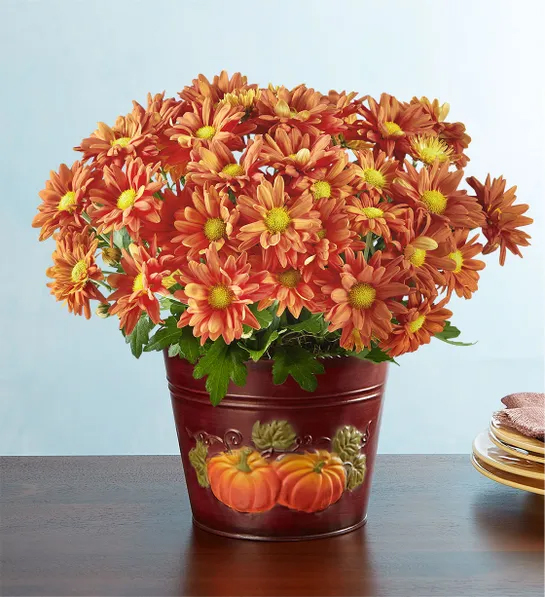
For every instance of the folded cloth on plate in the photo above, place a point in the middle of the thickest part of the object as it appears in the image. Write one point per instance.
(524, 412)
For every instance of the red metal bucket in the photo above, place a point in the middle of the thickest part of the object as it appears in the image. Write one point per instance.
(276, 463)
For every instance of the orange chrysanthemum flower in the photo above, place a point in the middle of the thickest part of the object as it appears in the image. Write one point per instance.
(205, 124)
(216, 90)
(144, 276)
(301, 108)
(503, 218)
(423, 260)
(463, 278)
(330, 182)
(375, 172)
(390, 124)
(276, 223)
(361, 301)
(368, 213)
(220, 167)
(293, 289)
(162, 232)
(130, 137)
(453, 134)
(209, 221)
(75, 272)
(417, 325)
(64, 198)
(435, 191)
(295, 153)
(161, 111)
(218, 293)
(334, 236)
(126, 198)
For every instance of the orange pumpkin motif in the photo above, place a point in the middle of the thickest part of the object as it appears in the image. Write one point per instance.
(311, 481)
(243, 480)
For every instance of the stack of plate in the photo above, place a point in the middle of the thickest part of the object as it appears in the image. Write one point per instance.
(508, 457)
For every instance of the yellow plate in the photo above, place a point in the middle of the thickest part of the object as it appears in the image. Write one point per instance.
(489, 453)
(515, 451)
(507, 479)
(514, 438)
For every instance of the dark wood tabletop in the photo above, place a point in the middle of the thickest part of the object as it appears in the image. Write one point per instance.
(122, 526)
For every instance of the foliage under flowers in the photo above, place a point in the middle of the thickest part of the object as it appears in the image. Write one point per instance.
(237, 223)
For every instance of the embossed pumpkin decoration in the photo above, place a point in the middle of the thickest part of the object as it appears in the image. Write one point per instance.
(243, 480)
(311, 481)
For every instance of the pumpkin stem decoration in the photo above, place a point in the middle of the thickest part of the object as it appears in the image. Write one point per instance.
(243, 480)
(243, 462)
(319, 466)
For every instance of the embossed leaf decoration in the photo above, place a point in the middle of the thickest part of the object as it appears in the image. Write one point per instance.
(356, 473)
(197, 457)
(278, 435)
(347, 442)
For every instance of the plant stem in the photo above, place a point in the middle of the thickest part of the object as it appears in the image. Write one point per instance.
(368, 242)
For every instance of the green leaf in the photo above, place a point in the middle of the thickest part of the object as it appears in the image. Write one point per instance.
(315, 324)
(255, 354)
(449, 332)
(299, 363)
(264, 317)
(169, 334)
(190, 347)
(175, 307)
(278, 435)
(347, 442)
(379, 356)
(221, 363)
(122, 238)
(197, 458)
(140, 335)
(356, 473)
(174, 350)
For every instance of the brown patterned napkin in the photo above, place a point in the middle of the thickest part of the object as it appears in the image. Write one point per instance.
(524, 412)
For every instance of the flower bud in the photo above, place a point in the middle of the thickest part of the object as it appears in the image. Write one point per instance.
(102, 310)
(111, 255)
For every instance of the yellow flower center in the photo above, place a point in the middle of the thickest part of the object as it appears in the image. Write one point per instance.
(68, 200)
(122, 141)
(435, 201)
(372, 212)
(126, 199)
(415, 325)
(321, 189)
(374, 178)
(456, 256)
(214, 229)
(418, 257)
(361, 295)
(246, 98)
(233, 170)
(220, 297)
(79, 272)
(169, 281)
(430, 149)
(321, 233)
(138, 283)
(277, 219)
(205, 132)
(393, 128)
(290, 278)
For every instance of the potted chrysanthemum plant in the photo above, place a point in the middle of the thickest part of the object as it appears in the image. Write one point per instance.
(281, 247)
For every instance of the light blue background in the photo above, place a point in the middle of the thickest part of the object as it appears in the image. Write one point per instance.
(69, 386)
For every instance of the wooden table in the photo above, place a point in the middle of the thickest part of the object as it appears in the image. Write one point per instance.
(122, 526)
